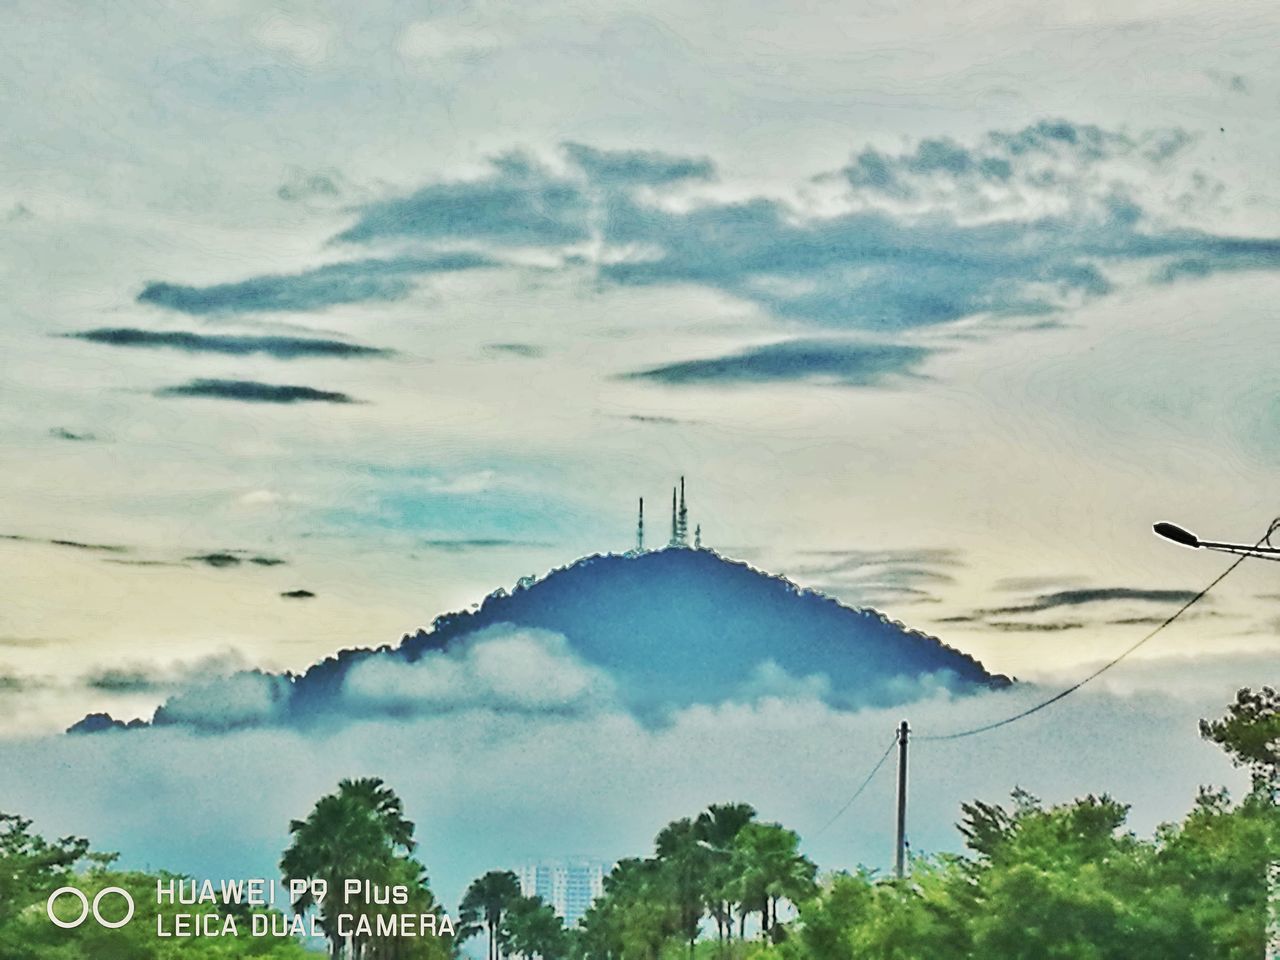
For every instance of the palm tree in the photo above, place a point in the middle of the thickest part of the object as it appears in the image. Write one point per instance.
(487, 901)
(769, 867)
(535, 930)
(358, 831)
(687, 862)
(718, 827)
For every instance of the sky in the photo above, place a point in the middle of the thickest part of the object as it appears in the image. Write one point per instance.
(323, 319)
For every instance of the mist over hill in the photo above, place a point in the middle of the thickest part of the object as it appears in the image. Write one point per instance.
(651, 631)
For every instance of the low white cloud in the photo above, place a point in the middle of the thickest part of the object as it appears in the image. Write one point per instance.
(489, 786)
(225, 703)
(770, 679)
(431, 40)
(502, 668)
(306, 42)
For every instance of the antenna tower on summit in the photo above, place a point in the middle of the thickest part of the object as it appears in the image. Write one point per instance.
(679, 522)
(682, 520)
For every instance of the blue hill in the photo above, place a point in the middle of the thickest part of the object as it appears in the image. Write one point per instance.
(681, 626)
(672, 628)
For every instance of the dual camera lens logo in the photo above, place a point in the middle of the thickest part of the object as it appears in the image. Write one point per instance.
(86, 909)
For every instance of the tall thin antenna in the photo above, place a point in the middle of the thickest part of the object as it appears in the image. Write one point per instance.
(682, 527)
(640, 529)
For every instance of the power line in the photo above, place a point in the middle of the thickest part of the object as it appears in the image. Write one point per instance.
(1107, 666)
(865, 783)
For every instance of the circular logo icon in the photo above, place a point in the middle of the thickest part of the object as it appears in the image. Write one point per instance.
(86, 908)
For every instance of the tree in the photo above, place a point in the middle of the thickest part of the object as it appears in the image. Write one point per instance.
(408, 872)
(31, 866)
(1250, 733)
(533, 929)
(718, 828)
(769, 867)
(634, 918)
(486, 902)
(686, 863)
(358, 831)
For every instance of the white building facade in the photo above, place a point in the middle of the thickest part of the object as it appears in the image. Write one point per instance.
(568, 886)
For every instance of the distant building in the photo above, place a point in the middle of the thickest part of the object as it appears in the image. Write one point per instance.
(567, 886)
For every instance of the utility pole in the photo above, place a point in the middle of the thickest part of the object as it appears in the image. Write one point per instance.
(900, 861)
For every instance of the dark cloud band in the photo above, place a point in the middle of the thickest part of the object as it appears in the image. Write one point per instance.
(340, 283)
(282, 348)
(250, 391)
(845, 364)
(1076, 598)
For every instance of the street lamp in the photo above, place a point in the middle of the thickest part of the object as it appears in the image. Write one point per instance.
(1185, 538)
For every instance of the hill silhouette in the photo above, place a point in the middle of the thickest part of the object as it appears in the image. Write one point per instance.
(681, 626)
(671, 628)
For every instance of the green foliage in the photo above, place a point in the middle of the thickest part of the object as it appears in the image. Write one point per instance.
(485, 906)
(1062, 883)
(722, 864)
(1250, 732)
(27, 934)
(360, 832)
(533, 929)
(30, 866)
(1068, 882)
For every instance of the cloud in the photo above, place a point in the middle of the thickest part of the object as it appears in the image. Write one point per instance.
(1015, 626)
(306, 42)
(144, 563)
(528, 351)
(878, 578)
(1019, 223)
(437, 40)
(72, 544)
(1054, 154)
(501, 669)
(282, 348)
(530, 779)
(123, 680)
(324, 186)
(637, 167)
(1080, 597)
(225, 558)
(770, 680)
(356, 281)
(251, 391)
(27, 643)
(814, 361)
(463, 544)
(865, 269)
(62, 433)
(1231, 82)
(160, 679)
(658, 420)
(226, 703)
(520, 203)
